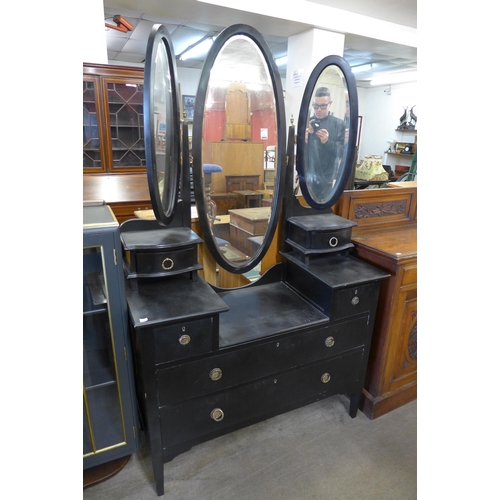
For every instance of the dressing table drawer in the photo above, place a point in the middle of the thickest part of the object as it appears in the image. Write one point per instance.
(353, 301)
(152, 263)
(265, 397)
(183, 340)
(222, 371)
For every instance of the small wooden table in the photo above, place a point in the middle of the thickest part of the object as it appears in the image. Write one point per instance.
(248, 199)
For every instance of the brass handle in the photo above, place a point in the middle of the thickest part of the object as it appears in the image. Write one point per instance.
(329, 342)
(167, 264)
(217, 414)
(216, 374)
(355, 300)
(184, 339)
(325, 378)
(333, 241)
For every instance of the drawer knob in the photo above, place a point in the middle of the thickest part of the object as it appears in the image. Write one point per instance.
(216, 374)
(217, 414)
(325, 378)
(167, 264)
(333, 241)
(355, 300)
(329, 342)
(184, 339)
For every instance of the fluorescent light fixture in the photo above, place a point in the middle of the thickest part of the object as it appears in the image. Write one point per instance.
(281, 61)
(392, 78)
(199, 49)
(362, 67)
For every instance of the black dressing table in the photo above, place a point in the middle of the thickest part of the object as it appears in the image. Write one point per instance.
(211, 360)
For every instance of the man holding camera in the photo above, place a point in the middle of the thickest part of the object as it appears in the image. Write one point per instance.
(325, 136)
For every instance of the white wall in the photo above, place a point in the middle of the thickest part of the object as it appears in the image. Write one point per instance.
(381, 111)
(94, 50)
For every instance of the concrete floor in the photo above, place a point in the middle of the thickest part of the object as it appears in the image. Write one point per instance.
(314, 453)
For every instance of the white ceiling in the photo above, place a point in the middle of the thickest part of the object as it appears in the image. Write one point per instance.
(190, 20)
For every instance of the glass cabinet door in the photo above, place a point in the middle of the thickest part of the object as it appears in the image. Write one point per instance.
(92, 154)
(103, 420)
(126, 124)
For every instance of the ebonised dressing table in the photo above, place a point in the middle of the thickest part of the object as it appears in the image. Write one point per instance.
(210, 360)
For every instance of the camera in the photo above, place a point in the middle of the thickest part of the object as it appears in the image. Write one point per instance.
(315, 125)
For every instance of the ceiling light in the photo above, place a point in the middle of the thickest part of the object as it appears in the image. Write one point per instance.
(281, 61)
(361, 68)
(199, 49)
(392, 78)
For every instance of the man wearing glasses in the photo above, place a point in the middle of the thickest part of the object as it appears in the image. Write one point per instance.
(324, 139)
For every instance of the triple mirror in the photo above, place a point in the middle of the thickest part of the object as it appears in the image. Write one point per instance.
(239, 141)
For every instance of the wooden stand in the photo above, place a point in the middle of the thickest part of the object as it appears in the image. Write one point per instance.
(103, 472)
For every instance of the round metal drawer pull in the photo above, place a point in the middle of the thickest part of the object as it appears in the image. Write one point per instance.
(325, 378)
(184, 339)
(216, 374)
(167, 264)
(217, 414)
(329, 342)
(333, 241)
(355, 300)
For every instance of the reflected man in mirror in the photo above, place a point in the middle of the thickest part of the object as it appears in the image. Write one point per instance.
(325, 136)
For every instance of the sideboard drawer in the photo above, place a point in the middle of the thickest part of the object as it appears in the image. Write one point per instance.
(409, 275)
(222, 371)
(183, 340)
(201, 416)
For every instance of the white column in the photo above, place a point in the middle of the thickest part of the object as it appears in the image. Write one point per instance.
(305, 50)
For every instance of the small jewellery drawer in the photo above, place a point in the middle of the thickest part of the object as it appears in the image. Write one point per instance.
(354, 300)
(221, 371)
(183, 340)
(152, 263)
(237, 406)
(320, 233)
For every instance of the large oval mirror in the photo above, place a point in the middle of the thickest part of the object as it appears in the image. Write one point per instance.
(239, 148)
(326, 133)
(161, 124)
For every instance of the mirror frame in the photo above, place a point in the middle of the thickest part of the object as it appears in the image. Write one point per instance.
(350, 153)
(280, 162)
(159, 37)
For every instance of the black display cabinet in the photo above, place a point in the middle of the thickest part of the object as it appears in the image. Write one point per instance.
(110, 426)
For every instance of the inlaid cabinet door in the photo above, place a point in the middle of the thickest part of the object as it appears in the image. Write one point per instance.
(124, 123)
(404, 367)
(93, 146)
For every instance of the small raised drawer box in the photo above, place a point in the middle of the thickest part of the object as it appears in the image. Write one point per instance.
(319, 234)
(160, 252)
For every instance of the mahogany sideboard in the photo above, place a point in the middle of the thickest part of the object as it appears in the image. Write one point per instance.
(386, 236)
(124, 193)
